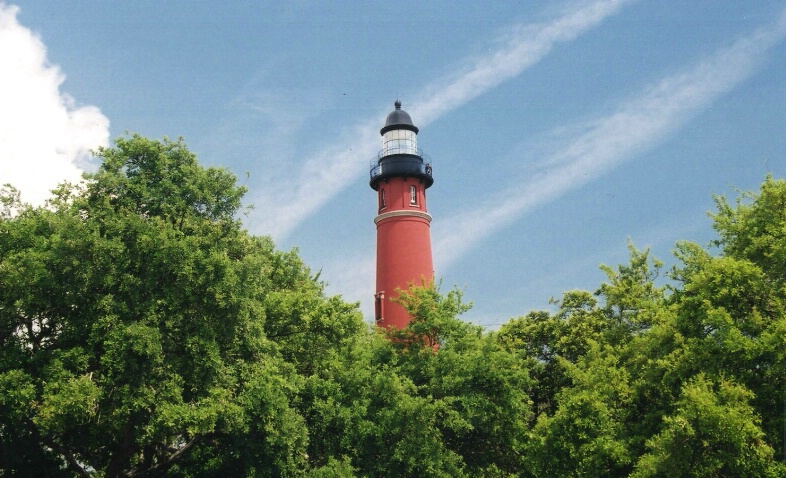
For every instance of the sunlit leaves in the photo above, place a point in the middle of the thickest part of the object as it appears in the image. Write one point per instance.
(756, 228)
(585, 435)
(713, 432)
(162, 179)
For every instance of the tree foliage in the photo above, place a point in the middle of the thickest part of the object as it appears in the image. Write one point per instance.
(140, 322)
(144, 332)
(685, 379)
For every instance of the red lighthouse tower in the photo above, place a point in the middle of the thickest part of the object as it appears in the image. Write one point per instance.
(400, 175)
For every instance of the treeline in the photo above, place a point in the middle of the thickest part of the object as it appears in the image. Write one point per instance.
(144, 332)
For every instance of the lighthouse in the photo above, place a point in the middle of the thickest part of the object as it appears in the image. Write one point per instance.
(400, 174)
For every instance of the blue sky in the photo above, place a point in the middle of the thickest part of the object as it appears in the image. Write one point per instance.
(557, 130)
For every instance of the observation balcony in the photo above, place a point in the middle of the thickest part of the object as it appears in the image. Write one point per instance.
(389, 163)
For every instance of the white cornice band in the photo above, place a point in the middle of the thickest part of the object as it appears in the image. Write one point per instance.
(386, 215)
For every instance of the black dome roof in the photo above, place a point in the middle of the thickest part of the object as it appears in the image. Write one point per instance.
(398, 119)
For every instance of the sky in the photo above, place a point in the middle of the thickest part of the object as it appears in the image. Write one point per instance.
(559, 131)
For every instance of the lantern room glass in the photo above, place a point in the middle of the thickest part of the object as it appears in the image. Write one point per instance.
(399, 141)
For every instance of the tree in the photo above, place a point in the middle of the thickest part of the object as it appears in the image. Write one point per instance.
(720, 331)
(401, 407)
(585, 436)
(142, 330)
(631, 298)
(713, 432)
(647, 375)
(756, 228)
(433, 317)
(732, 308)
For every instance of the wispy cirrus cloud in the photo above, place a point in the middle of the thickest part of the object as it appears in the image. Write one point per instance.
(45, 138)
(325, 174)
(524, 46)
(602, 144)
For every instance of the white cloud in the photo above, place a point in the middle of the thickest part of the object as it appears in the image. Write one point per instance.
(605, 143)
(45, 138)
(326, 173)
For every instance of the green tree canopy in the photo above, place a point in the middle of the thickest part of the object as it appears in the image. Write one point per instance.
(144, 332)
(139, 324)
(683, 378)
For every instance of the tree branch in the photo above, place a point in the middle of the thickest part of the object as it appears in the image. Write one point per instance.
(73, 464)
(167, 461)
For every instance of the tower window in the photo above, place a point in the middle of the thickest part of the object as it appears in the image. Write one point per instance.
(413, 196)
(379, 306)
(382, 199)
